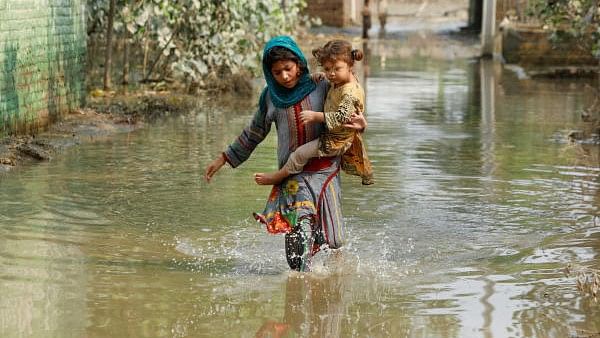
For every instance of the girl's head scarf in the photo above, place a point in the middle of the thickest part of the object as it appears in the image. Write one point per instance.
(280, 96)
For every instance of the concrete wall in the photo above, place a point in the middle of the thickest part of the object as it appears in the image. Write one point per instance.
(523, 41)
(42, 59)
(337, 13)
(532, 46)
(515, 9)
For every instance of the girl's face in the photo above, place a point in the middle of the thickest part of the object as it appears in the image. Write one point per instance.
(286, 73)
(338, 72)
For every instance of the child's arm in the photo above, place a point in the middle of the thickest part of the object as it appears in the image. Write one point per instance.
(241, 149)
(343, 114)
(357, 122)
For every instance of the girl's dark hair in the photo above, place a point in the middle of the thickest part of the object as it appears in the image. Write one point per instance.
(338, 50)
(279, 53)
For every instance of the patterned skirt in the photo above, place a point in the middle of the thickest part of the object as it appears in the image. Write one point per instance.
(313, 194)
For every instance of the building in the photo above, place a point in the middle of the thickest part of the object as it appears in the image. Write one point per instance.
(337, 13)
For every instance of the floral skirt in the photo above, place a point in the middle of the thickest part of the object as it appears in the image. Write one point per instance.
(313, 194)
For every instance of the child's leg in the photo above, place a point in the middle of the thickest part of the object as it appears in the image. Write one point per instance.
(294, 164)
(301, 156)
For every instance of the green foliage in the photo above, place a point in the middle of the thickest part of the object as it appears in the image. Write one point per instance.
(201, 37)
(568, 19)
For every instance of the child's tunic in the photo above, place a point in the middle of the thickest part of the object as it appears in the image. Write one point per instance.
(340, 104)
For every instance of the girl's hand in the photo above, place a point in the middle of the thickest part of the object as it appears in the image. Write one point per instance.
(213, 167)
(309, 116)
(357, 122)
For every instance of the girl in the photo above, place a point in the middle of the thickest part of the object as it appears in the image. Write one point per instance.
(344, 98)
(306, 206)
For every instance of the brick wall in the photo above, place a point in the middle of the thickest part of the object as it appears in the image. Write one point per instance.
(42, 59)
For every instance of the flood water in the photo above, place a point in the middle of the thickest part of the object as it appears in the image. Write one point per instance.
(479, 206)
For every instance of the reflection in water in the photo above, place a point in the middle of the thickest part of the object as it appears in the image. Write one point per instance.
(488, 308)
(488, 97)
(480, 207)
(313, 308)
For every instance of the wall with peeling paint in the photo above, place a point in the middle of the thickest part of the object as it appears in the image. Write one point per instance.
(42, 62)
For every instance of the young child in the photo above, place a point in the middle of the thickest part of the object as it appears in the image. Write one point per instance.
(345, 98)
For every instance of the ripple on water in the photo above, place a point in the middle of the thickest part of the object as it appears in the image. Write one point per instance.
(560, 255)
(472, 218)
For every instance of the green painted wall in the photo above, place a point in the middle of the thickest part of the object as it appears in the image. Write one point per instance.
(42, 62)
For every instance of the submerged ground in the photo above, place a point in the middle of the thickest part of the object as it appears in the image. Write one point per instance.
(479, 206)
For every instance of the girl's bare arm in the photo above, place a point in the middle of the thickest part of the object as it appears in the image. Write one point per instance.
(213, 167)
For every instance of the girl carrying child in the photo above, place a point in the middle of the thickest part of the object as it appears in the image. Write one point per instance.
(306, 206)
(345, 98)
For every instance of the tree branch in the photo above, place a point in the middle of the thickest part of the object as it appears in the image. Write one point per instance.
(160, 54)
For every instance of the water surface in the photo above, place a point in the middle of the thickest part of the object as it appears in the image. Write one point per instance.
(479, 206)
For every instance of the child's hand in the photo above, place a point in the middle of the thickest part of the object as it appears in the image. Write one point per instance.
(317, 77)
(309, 116)
(357, 122)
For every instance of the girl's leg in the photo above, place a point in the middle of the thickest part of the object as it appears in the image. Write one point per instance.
(299, 244)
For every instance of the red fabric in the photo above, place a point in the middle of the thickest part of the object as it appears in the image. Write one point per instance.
(315, 248)
(301, 127)
(318, 163)
(279, 225)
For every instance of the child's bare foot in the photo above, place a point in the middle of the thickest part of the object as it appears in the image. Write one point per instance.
(271, 178)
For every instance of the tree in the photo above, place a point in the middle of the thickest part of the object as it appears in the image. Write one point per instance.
(109, 43)
(568, 19)
(579, 20)
(195, 40)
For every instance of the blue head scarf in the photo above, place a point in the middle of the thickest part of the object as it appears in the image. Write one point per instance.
(283, 97)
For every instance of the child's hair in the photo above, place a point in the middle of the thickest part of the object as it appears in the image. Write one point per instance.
(279, 53)
(338, 50)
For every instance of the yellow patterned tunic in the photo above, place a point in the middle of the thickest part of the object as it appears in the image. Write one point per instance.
(340, 104)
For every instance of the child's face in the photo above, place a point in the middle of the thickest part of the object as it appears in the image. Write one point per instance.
(286, 73)
(337, 71)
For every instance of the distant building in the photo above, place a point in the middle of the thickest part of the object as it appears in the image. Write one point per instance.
(337, 13)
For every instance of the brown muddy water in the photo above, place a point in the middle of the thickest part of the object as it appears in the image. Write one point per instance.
(479, 206)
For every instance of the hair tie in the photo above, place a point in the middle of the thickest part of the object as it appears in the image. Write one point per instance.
(353, 54)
